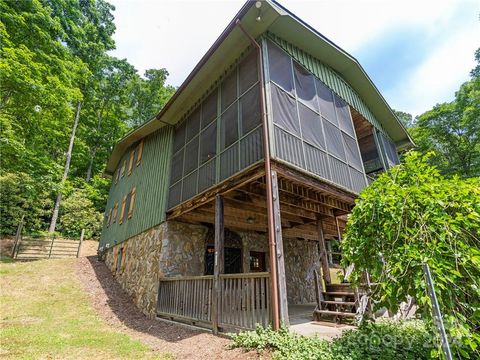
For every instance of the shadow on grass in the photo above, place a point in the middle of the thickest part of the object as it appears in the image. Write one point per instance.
(122, 305)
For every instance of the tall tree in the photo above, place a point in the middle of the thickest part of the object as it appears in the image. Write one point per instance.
(452, 130)
(405, 118)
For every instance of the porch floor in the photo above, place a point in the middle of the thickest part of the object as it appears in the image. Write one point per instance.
(301, 322)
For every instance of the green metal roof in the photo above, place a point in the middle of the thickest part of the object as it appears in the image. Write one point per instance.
(229, 46)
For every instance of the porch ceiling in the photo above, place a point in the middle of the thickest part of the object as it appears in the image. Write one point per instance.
(303, 200)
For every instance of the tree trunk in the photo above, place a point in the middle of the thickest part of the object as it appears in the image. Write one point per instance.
(56, 208)
(90, 165)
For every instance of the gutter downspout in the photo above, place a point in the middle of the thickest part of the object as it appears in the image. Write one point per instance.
(268, 176)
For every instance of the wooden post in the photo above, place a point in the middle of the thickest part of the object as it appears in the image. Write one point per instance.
(219, 262)
(282, 282)
(323, 252)
(81, 241)
(339, 235)
(18, 236)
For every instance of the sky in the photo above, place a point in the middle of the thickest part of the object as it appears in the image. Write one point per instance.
(417, 52)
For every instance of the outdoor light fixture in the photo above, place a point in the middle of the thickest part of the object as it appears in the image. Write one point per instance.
(250, 219)
(258, 5)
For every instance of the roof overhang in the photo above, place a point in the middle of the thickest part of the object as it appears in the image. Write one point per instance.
(230, 45)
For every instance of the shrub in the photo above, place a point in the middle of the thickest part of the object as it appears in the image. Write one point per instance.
(410, 216)
(384, 340)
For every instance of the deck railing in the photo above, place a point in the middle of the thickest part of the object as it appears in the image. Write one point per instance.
(244, 300)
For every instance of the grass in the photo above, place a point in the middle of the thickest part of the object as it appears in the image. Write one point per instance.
(45, 314)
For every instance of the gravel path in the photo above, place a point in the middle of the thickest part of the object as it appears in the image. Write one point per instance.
(116, 308)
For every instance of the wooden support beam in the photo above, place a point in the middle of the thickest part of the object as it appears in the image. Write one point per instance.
(323, 253)
(282, 282)
(319, 185)
(218, 262)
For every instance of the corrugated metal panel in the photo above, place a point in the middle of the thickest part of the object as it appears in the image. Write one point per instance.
(229, 162)
(331, 78)
(151, 180)
(206, 177)
(289, 147)
(316, 161)
(339, 172)
(251, 148)
(358, 180)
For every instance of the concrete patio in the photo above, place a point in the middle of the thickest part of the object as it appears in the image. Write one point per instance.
(301, 322)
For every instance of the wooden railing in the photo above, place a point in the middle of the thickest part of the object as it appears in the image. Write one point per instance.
(186, 298)
(243, 303)
(30, 248)
(245, 300)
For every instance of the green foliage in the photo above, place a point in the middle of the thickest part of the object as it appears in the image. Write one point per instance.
(452, 130)
(409, 216)
(53, 55)
(77, 213)
(23, 197)
(405, 118)
(381, 341)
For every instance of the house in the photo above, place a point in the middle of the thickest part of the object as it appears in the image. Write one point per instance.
(225, 206)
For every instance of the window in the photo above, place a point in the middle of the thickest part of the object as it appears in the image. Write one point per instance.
(132, 202)
(305, 86)
(325, 100)
(115, 212)
(116, 176)
(192, 125)
(208, 143)
(128, 200)
(257, 261)
(285, 111)
(122, 210)
(280, 67)
(229, 90)
(250, 110)
(229, 126)
(109, 217)
(139, 153)
(209, 109)
(311, 126)
(130, 163)
(191, 156)
(124, 166)
(248, 71)
(334, 140)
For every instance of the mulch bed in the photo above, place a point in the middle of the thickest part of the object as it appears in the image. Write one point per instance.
(116, 308)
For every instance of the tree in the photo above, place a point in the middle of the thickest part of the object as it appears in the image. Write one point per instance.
(452, 130)
(149, 95)
(409, 216)
(405, 118)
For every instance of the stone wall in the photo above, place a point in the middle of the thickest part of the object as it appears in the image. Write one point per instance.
(178, 249)
(301, 258)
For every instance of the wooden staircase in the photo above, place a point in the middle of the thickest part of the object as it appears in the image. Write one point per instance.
(338, 302)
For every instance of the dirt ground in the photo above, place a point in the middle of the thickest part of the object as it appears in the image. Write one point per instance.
(116, 308)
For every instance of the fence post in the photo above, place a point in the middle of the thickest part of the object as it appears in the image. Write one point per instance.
(18, 236)
(51, 246)
(81, 241)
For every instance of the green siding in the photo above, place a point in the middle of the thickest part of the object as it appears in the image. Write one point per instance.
(331, 78)
(151, 180)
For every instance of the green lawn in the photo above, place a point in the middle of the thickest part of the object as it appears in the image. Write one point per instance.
(45, 314)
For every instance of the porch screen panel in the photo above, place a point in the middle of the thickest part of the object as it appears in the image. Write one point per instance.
(388, 149)
(220, 136)
(313, 127)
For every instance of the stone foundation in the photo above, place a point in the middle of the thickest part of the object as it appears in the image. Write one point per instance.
(178, 249)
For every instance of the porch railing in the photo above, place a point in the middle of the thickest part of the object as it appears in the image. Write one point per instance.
(243, 303)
